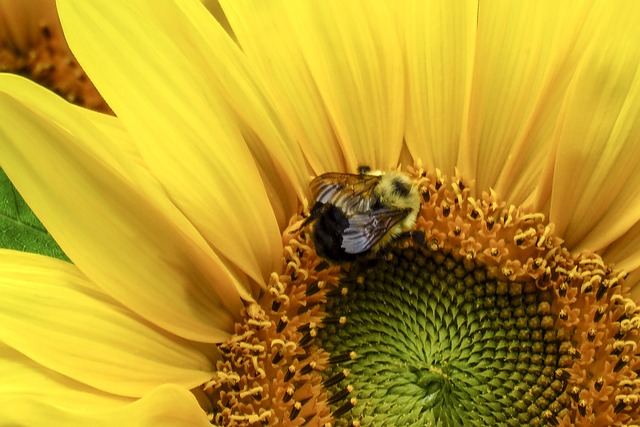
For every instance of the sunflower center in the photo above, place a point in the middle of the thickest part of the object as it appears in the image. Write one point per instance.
(440, 343)
(480, 318)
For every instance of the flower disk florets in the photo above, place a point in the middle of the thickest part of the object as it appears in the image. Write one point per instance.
(480, 317)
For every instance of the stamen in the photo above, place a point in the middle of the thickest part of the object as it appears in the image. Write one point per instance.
(282, 323)
(624, 360)
(336, 379)
(295, 411)
(342, 358)
(291, 371)
(341, 395)
(345, 408)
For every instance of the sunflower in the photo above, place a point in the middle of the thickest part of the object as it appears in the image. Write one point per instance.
(196, 296)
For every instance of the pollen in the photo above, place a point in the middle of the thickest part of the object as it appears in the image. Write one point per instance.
(272, 368)
(49, 62)
(478, 317)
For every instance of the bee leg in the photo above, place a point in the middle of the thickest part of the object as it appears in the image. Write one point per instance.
(322, 265)
(316, 211)
(370, 260)
(416, 236)
(363, 170)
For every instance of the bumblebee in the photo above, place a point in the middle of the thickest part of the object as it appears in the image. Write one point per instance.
(358, 214)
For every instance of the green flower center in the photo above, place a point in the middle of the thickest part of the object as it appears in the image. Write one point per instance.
(439, 343)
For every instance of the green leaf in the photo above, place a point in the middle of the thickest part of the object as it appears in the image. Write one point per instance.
(20, 229)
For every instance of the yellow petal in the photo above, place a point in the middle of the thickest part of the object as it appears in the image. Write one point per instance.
(23, 378)
(346, 61)
(595, 196)
(177, 103)
(278, 56)
(245, 90)
(166, 406)
(118, 235)
(625, 251)
(248, 93)
(525, 55)
(53, 314)
(439, 45)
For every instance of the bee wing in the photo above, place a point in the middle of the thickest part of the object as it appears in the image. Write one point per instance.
(349, 192)
(367, 229)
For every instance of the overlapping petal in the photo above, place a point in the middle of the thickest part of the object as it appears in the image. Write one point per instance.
(624, 254)
(439, 47)
(595, 171)
(165, 406)
(336, 67)
(260, 119)
(176, 102)
(86, 335)
(525, 53)
(280, 59)
(531, 80)
(141, 251)
(23, 378)
(246, 92)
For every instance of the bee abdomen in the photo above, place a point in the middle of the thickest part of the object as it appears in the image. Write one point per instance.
(328, 231)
